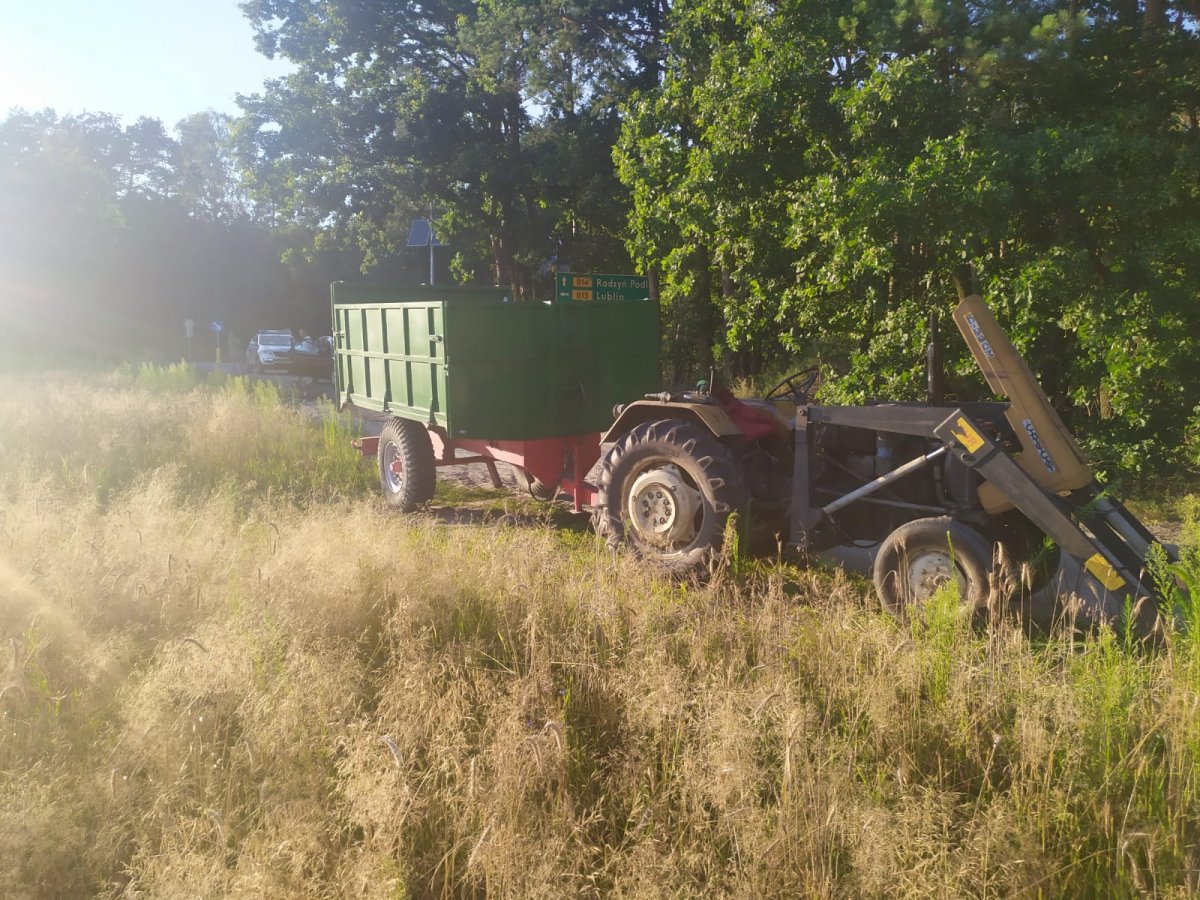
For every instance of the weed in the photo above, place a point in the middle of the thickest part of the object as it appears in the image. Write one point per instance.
(228, 669)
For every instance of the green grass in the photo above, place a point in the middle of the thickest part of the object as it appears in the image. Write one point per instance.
(206, 432)
(501, 505)
(229, 669)
(1172, 499)
(455, 493)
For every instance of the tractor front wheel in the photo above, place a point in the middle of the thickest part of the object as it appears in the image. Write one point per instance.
(667, 490)
(407, 472)
(924, 555)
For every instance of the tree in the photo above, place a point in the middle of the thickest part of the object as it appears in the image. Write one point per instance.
(111, 236)
(1044, 153)
(499, 115)
(206, 178)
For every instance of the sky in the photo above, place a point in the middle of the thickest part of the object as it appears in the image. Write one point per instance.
(160, 58)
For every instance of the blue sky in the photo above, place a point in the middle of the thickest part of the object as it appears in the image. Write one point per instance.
(159, 58)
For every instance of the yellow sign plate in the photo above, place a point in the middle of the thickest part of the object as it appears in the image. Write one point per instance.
(1104, 572)
(968, 436)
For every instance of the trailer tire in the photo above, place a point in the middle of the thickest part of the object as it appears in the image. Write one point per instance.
(407, 473)
(537, 489)
(667, 489)
(916, 559)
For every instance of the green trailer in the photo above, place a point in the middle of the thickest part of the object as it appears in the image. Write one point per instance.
(528, 383)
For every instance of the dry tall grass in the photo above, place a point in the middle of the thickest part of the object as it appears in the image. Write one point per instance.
(229, 671)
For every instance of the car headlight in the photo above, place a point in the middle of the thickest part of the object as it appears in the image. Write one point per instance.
(266, 356)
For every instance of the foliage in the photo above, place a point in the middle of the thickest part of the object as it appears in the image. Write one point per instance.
(111, 236)
(803, 179)
(498, 116)
(819, 176)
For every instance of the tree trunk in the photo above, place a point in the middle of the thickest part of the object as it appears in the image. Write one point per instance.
(706, 331)
(965, 282)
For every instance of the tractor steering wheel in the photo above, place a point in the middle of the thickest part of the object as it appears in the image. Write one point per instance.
(797, 385)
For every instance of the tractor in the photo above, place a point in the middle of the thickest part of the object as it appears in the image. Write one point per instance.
(993, 496)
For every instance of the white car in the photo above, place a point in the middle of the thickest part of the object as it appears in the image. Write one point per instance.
(269, 350)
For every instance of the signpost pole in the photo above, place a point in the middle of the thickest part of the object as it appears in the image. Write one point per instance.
(217, 327)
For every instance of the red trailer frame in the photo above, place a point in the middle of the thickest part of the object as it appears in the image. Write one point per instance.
(561, 462)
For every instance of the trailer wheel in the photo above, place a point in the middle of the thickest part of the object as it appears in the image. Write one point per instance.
(406, 470)
(923, 555)
(666, 489)
(537, 489)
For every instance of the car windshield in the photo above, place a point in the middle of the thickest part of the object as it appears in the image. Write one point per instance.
(274, 340)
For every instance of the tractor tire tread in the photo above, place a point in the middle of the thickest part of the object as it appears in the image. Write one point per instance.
(718, 475)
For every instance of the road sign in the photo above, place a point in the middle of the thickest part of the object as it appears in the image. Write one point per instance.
(420, 234)
(189, 328)
(218, 326)
(571, 286)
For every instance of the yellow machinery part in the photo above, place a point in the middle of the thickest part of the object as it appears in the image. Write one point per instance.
(1104, 572)
(1049, 454)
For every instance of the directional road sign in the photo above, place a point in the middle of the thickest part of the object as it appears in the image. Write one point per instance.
(572, 286)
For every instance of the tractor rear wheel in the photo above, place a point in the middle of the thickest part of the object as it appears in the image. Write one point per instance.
(924, 555)
(407, 472)
(667, 490)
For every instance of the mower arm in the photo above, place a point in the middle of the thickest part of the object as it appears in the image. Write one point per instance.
(1049, 455)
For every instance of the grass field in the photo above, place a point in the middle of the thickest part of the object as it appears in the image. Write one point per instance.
(229, 670)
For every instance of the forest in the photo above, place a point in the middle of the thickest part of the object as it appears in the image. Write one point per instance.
(802, 181)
